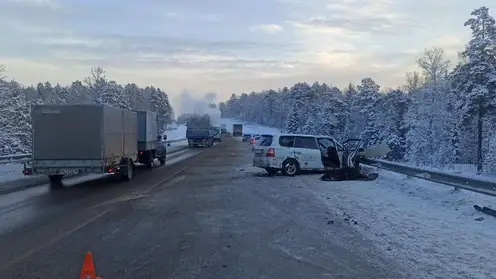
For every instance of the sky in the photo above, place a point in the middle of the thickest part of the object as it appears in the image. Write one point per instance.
(227, 46)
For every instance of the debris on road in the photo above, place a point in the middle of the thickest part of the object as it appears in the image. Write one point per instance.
(486, 210)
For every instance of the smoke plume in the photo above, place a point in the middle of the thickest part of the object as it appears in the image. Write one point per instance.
(187, 102)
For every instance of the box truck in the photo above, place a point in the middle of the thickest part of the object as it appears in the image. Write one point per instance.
(237, 130)
(199, 131)
(150, 146)
(79, 139)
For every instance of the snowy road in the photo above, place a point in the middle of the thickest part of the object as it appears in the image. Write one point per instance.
(21, 207)
(207, 217)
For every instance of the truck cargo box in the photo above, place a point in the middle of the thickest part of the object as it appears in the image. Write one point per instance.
(237, 130)
(147, 130)
(199, 122)
(199, 133)
(83, 132)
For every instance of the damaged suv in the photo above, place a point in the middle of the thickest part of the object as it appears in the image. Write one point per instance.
(294, 153)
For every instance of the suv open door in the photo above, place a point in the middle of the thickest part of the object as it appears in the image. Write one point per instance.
(349, 165)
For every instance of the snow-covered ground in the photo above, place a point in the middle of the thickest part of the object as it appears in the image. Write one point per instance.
(13, 171)
(428, 227)
(466, 170)
(248, 128)
(178, 133)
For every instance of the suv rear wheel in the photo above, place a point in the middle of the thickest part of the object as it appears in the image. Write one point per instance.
(290, 167)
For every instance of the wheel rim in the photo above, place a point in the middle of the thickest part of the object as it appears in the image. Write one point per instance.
(290, 168)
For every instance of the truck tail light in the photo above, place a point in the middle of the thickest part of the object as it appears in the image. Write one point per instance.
(271, 152)
(27, 171)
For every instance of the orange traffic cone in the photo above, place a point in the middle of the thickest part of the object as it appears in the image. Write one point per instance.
(88, 271)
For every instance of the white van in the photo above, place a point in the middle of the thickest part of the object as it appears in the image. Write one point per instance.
(292, 153)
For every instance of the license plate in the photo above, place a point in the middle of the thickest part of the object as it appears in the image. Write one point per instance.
(63, 171)
(258, 152)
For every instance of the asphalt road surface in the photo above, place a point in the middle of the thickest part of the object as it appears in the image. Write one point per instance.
(7, 187)
(208, 216)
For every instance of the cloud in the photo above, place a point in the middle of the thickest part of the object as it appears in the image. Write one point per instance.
(359, 17)
(151, 51)
(227, 46)
(53, 4)
(267, 28)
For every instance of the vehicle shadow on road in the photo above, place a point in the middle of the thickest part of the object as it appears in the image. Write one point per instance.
(279, 174)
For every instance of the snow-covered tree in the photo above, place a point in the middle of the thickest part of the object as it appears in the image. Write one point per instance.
(111, 94)
(159, 102)
(366, 102)
(15, 128)
(476, 77)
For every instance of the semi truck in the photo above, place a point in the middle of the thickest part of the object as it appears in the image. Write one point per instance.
(81, 139)
(237, 130)
(199, 131)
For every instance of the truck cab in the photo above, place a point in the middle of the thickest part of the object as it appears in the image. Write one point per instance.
(217, 134)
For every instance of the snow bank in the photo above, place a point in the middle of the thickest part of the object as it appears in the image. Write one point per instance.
(426, 226)
(178, 133)
(249, 128)
(11, 172)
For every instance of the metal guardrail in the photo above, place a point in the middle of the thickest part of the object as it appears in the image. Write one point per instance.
(479, 185)
(20, 158)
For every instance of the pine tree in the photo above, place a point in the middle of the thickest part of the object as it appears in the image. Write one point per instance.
(479, 74)
(367, 97)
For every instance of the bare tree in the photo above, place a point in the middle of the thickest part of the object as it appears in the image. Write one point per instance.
(434, 64)
(96, 82)
(2, 71)
(97, 75)
(413, 81)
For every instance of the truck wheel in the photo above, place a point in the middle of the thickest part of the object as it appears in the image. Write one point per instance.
(149, 161)
(128, 173)
(162, 160)
(56, 182)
